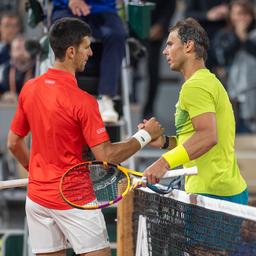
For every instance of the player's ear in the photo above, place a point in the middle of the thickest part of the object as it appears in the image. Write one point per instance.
(189, 46)
(70, 52)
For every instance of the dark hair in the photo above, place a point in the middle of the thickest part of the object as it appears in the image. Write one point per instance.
(67, 32)
(190, 29)
(247, 7)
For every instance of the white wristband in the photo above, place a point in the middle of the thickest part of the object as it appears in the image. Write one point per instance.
(143, 137)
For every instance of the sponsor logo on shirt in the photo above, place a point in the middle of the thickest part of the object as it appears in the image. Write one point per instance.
(47, 81)
(101, 130)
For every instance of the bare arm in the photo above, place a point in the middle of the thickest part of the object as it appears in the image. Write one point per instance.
(18, 147)
(120, 151)
(161, 140)
(116, 152)
(204, 138)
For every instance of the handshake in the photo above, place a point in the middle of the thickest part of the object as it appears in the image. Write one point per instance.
(150, 132)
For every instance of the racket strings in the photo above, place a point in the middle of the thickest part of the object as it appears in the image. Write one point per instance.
(105, 182)
(92, 186)
(77, 187)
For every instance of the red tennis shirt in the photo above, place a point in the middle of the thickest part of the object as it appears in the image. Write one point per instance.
(62, 119)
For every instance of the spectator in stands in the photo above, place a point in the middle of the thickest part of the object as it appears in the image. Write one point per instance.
(212, 16)
(204, 120)
(160, 20)
(106, 26)
(18, 70)
(235, 49)
(10, 26)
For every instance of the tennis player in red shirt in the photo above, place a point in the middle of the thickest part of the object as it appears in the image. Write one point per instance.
(62, 119)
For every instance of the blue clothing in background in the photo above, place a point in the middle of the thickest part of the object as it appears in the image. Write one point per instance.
(4, 53)
(108, 28)
(97, 6)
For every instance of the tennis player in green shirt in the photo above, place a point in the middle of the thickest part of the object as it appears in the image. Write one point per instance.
(204, 121)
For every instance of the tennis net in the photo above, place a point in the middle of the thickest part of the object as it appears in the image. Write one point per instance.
(180, 224)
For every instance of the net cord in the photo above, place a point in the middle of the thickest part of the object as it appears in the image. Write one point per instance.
(243, 211)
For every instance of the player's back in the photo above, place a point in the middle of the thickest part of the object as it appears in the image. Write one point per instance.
(52, 106)
(57, 112)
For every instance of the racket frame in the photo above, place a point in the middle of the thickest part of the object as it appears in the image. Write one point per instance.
(130, 186)
(109, 203)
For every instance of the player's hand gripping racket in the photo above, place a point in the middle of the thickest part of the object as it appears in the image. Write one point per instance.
(83, 183)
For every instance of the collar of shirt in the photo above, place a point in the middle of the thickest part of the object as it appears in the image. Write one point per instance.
(58, 74)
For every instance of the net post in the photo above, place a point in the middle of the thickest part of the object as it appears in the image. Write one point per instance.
(125, 246)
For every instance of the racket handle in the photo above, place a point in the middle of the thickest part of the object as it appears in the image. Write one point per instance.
(180, 172)
(13, 183)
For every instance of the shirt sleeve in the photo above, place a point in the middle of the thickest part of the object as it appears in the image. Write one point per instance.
(93, 128)
(20, 124)
(196, 101)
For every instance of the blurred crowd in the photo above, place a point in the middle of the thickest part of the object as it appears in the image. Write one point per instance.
(17, 64)
(232, 55)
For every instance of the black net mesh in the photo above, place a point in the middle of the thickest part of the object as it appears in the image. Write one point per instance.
(175, 228)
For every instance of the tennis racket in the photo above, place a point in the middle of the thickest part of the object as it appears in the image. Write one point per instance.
(165, 187)
(94, 185)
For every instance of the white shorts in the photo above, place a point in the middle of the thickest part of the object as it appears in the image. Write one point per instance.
(50, 230)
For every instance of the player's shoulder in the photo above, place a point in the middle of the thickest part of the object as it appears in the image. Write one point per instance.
(203, 79)
(30, 84)
(81, 96)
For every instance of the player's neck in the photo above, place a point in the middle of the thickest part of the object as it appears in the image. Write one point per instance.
(191, 67)
(62, 65)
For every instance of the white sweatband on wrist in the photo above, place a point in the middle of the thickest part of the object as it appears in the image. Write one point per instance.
(143, 137)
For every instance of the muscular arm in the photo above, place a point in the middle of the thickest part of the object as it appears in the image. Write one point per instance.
(205, 136)
(18, 147)
(116, 152)
(120, 151)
